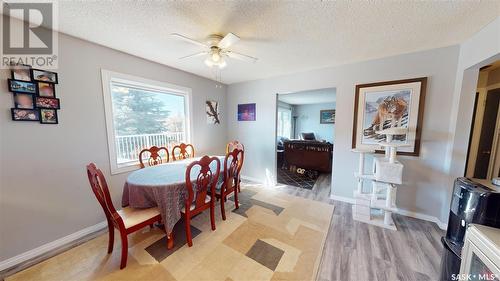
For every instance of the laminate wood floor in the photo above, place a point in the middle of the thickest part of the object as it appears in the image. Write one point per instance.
(358, 251)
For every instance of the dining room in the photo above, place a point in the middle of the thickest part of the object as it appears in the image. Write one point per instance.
(121, 145)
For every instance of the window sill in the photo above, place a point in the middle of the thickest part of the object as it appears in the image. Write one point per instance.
(124, 168)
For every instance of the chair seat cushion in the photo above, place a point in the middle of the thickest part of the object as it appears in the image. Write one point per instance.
(134, 216)
(220, 183)
(193, 205)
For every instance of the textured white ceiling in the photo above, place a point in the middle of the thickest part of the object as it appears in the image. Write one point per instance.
(287, 37)
(309, 97)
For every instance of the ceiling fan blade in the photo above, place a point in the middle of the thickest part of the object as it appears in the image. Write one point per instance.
(228, 40)
(194, 55)
(187, 39)
(242, 57)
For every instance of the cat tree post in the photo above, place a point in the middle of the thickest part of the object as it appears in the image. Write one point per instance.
(389, 204)
(361, 166)
(361, 169)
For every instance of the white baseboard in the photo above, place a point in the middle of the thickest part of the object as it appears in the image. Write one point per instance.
(403, 212)
(31, 254)
(424, 217)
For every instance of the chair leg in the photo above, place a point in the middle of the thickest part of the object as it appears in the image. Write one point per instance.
(212, 214)
(170, 241)
(151, 226)
(236, 201)
(222, 209)
(111, 231)
(188, 231)
(124, 239)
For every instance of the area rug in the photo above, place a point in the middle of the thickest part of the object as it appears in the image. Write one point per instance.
(295, 179)
(272, 236)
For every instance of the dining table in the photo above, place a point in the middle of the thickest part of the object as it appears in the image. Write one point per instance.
(163, 186)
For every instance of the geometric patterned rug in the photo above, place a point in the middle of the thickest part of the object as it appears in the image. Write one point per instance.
(295, 179)
(157, 249)
(272, 236)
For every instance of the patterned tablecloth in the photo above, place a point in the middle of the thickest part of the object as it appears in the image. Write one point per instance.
(162, 186)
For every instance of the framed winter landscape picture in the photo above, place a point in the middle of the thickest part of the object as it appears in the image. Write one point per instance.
(389, 104)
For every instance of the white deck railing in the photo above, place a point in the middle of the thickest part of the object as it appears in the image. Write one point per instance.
(128, 147)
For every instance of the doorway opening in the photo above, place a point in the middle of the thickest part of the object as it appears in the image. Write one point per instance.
(483, 158)
(305, 134)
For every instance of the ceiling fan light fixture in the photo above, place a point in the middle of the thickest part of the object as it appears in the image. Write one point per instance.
(216, 57)
(220, 62)
(216, 49)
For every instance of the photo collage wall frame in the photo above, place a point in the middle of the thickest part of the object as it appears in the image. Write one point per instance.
(34, 93)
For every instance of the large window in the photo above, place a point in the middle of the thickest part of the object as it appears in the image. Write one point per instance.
(141, 113)
(284, 122)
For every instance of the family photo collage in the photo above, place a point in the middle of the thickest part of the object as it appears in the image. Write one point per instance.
(34, 93)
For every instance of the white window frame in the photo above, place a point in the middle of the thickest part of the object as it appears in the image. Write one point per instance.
(110, 76)
(291, 118)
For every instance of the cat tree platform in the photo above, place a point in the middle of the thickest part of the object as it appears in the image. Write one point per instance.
(377, 219)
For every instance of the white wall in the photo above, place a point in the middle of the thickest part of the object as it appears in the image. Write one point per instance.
(44, 191)
(425, 190)
(309, 121)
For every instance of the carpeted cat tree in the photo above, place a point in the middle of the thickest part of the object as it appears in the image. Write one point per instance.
(377, 205)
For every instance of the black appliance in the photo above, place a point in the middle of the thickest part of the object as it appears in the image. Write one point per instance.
(471, 202)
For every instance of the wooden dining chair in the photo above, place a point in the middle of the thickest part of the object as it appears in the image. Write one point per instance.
(230, 147)
(198, 199)
(231, 179)
(127, 220)
(182, 151)
(154, 156)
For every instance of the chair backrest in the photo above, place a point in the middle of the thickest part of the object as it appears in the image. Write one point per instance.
(232, 168)
(207, 169)
(154, 156)
(182, 151)
(234, 144)
(101, 192)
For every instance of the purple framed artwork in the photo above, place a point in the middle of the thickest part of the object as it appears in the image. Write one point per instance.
(246, 112)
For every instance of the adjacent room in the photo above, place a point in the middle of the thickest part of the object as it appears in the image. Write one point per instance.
(305, 131)
(483, 159)
(250, 140)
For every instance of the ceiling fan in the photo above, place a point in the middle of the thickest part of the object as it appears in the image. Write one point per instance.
(216, 49)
